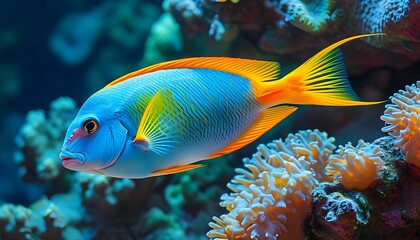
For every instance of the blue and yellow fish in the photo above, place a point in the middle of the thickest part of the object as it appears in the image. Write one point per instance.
(163, 118)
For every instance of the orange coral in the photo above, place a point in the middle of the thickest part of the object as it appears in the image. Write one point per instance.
(355, 167)
(403, 122)
(272, 198)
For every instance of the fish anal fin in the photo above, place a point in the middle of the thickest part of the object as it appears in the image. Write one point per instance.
(254, 70)
(156, 131)
(176, 169)
(268, 119)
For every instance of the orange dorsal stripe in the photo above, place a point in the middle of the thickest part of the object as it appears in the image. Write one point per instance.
(254, 70)
(267, 120)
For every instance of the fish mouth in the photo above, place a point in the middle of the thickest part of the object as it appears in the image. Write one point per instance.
(71, 160)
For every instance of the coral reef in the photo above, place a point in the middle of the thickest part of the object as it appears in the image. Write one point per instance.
(44, 219)
(374, 186)
(355, 167)
(306, 178)
(402, 118)
(338, 215)
(271, 200)
(308, 16)
(40, 139)
(314, 145)
(275, 25)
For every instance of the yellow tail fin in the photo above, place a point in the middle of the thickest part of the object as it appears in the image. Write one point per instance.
(321, 80)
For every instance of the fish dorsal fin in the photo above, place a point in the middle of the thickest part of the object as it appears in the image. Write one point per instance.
(157, 131)
(254, 70)
(268, 119)
(176, 169)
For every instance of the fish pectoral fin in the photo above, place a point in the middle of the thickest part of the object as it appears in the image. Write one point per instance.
(176, 169)
(267, 120)
(157, 130)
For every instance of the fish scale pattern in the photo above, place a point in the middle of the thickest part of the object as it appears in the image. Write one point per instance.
(210, 107)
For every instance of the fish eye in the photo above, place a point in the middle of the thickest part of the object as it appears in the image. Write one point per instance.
(90, 126)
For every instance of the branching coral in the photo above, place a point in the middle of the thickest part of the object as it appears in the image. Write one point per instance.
(403, 120)
(272, 198)
(106, 196)
(44, 219)
(267, 200)
(355, 167)
(314, 145)
(40, 139)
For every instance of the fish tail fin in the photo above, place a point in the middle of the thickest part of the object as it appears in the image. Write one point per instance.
(321, 80)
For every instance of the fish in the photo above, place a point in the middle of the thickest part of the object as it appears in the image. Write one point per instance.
(164, 118)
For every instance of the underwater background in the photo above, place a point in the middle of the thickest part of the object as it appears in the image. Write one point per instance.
(55, 54)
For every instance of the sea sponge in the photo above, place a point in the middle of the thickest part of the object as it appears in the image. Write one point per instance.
(403, 122)
(355, 167)
(272, 199)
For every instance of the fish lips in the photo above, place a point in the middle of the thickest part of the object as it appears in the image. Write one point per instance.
(72, 160)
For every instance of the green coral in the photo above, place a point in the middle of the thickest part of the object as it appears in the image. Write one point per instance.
(40, 138)
(310, 16)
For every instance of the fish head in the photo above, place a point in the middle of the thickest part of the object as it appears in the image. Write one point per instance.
(94, 140)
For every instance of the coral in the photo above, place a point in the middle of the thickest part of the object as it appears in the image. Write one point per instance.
(187, 13)
(299, 27)
(107, 197)
(272, 199)
(375, 16)
(355, 167)
(338, 215)
(44, 219)
(267, 200)
(15, 222)
(309, 16)
(152, 222)
(314, 145)
(402, 118)
(40, 139)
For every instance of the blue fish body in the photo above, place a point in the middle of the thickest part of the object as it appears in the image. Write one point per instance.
(214, 106)
(162, 119)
